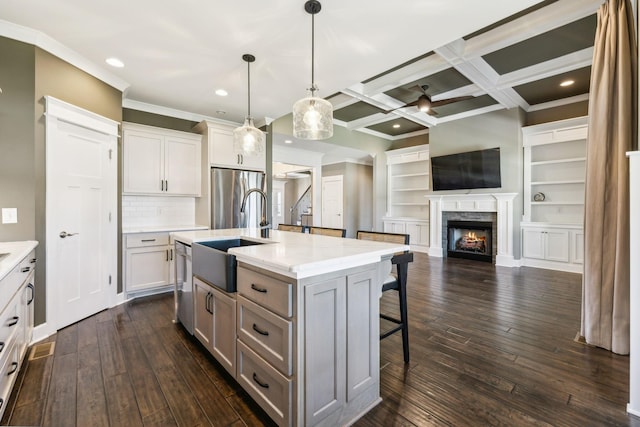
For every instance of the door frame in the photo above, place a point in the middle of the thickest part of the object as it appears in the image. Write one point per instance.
(339, 179)
(57, 111)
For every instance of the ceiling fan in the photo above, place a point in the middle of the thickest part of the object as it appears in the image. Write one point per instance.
(425, 104)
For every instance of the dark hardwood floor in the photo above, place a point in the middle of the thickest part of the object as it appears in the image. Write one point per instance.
(489, 346)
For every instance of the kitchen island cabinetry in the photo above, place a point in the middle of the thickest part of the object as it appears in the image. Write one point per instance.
(160, 161)
(17, 268)
(307, 323)
(214, 323)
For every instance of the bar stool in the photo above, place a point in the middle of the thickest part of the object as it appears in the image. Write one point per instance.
(395, 282)
(335, 232)
(291, 227)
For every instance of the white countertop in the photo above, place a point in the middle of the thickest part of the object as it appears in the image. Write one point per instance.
(297, 254)
(161, 228)
(16, 251)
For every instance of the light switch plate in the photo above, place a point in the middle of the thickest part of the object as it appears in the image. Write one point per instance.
(9, 215)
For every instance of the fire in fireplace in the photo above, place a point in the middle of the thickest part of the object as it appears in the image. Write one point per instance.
(469, 239)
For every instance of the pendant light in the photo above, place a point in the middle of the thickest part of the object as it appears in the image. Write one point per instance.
(312, 116)
(247, 139)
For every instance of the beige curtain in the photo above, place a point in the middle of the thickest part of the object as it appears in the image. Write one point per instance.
(612, 132)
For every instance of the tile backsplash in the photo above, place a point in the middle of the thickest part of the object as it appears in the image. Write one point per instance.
(157, 211)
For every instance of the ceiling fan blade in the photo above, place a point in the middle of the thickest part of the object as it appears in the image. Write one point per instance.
(450, 100)
(411, 104)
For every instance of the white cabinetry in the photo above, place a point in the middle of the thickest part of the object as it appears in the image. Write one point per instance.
(222, 151)
(214, 323)
(160, 161)
(16, 323)
(149, 262)
(407, 186)
(554, 179)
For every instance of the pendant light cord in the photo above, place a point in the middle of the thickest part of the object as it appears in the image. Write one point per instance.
(248, 89)
(313, 83)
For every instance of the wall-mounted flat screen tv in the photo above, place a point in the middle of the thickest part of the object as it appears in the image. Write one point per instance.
(472, 169)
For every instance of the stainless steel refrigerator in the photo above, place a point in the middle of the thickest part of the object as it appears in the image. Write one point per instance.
(228, 187)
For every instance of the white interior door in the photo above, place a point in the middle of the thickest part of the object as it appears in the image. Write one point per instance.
(81, 213)
(332, 204)
(277, 204)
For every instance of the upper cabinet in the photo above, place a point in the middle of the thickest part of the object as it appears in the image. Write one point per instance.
(222, 152)
(160, 161)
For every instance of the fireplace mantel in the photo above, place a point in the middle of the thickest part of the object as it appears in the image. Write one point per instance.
(501, 203)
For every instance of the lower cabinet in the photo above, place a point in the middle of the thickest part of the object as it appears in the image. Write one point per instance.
(149, 262)
(16, 323)
(327, 371)
(418, 231)
(555, 248)
(215, 323)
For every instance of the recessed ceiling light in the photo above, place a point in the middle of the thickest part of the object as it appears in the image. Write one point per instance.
(222, 113)
(288, 141)
(221, 92)
(115, 62)
(567, 83)
(396, 126)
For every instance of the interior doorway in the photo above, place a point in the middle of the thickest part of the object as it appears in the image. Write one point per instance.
(292, 194)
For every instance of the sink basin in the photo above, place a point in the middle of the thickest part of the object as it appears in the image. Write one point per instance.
(212, 263)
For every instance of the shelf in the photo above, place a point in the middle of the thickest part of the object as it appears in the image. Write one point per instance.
(569, 181)
(406, 175)
(553, 162)
(557, 203)
(411, 189)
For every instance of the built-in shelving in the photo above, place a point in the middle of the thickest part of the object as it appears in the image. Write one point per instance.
(408, 183)
(554, 187)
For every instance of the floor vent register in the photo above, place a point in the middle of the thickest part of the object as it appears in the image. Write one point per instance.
(39, 351)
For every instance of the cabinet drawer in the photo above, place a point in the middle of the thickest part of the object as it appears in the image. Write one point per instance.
(147, 239)
(268, 387)
(267, 291)
(10, 325)
(267, 334)
(9, 365)
(16, 277)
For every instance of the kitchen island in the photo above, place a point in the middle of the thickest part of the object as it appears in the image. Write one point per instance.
(301, 334)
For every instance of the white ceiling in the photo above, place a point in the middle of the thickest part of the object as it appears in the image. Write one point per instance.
(177, 53)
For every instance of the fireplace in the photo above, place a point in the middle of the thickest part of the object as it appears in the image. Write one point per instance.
(470, 239)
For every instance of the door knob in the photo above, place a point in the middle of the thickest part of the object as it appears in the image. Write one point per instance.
(64, 234)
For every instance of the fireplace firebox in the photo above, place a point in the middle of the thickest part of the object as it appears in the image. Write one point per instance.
(470, 239)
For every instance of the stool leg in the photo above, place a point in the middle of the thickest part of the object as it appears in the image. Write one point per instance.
(402, 296)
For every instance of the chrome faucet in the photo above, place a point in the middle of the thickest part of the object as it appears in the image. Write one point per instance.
(264, 224)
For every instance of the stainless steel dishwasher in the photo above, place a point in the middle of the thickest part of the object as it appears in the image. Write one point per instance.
(184, 286)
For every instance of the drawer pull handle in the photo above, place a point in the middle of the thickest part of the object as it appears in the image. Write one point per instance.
(33, 260)
(1, 403)
(148, 240)
(15, 368)
(260, 383)
(33, 293)
(14, 321)
(25, 269)
(1, 346)
(260, 331)
(257, 289)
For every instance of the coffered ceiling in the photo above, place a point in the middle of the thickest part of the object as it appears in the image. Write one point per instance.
(371, 55)
(515, 63)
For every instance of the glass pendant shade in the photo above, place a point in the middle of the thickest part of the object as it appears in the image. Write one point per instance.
(248, 139)
(312, 118)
